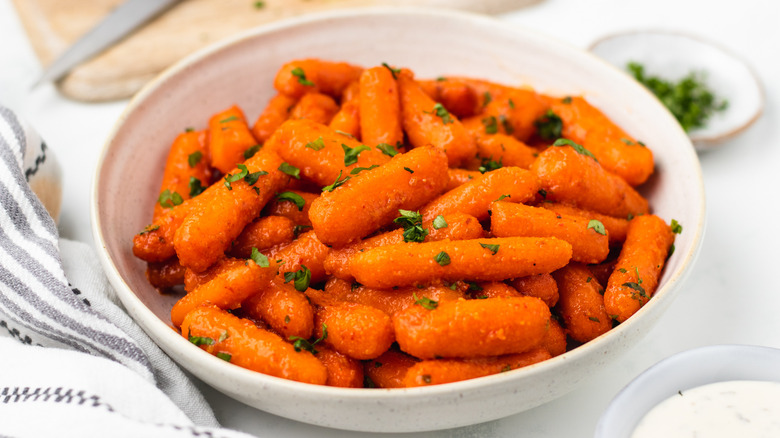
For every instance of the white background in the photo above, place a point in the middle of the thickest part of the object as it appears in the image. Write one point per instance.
(732, 295)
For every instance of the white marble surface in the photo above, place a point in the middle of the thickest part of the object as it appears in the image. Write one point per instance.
(732, 295)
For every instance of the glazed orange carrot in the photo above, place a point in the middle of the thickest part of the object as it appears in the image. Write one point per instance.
(541, 286)
(233, 281)
(165, 275)
(471, 328)
(407, 264)
(210, 229)
(358, 331)
(486, 91)
(581, 304)
(292, 204)
(555, 340)
(439, 371)
(380, 108)
(456, 96)
(588, 239)
(458, 177)
(187, 172)
(229, 139)
(493, 146)
(242, 343)
(429, 123)
(307, 250)
(516, 111)
(321, 153)
(616, 227)
(348, 118)
(617, 151)
(389, 369)
(475, 197)
(574, 178)
(283, 308)
(638, 267)
(343, 371)
(389, 301)
(263, 234)
(371, 199)
(302, 76)
(492, 289)
(316, 107)
(274, 114)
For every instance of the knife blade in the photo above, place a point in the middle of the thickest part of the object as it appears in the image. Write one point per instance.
(119, 23)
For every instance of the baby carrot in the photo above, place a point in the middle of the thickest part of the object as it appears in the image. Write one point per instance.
(210, 229)
(516, 111)
(573, 177)
(316, 107)
(588, 239)
(321, 154)
(541, 286)
(492, 289)
(241, 343)
(263, 234)
(471, 328)
(429, 123)
(165, 275)
(389, 369)
(380, 108)
(348, 118)
(493, 146)
(233, 281)
(282, 307)
(229, 139)
(475, 196)
(307, 250)
(616, 227)
(343, 371)
(372, 199)
(299, 77)
(555, 339)
(391, 301)
(456, 96)
(274, 114)
(358, 331)
(581, 304)
(617, 151)
(187, 172)
(292, 204)
(496, 259)
(439, 371)
(638, 267)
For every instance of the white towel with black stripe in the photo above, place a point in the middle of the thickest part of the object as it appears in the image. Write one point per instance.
(73, 363)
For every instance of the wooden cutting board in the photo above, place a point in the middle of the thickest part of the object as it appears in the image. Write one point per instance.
(120, 71)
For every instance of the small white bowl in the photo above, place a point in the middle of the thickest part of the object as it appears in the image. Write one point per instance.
(672, 56)
(683, 371)
(431, 43)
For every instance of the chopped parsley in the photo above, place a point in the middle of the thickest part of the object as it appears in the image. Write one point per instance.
(549, 126)
(676, 227)
(201, 340)
(229, 119)
(636, 287)
(393, 71)
(492, 248)
(387, 149)
(259, 5)
(259, 258)
(292, 197)
(224, 356)
(502, 197)
(442, 113)
(291, 170)
(300, 278)
(566, 100)
(627, 141)
(491, 125)
(425, 302)
(689, 100)
(149, 229)
(194, 158)
(317, 144)
(169, 199)
(196, 187)
(357, 170)
(506, 124)
(301, 75)
(488, 164)
(224, 335)
(251, 151)
(298, 228)
(439, 222)
(411, 221)
(408, 170)
(302, 344)
(580, 150)
(542, 193)
(442, 258)
(597, 227)
(351, 154)
(486, 98)
(336, 183)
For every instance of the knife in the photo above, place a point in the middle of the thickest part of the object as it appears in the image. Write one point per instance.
(120, 22)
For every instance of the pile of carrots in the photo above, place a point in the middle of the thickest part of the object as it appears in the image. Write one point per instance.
(371, 229)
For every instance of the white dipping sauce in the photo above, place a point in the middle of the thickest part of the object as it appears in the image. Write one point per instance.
(744, 409)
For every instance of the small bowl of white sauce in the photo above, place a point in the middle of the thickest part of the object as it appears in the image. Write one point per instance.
(714, 391)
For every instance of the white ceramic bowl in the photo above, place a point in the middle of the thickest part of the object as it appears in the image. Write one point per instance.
(431, 43)
(683, 371)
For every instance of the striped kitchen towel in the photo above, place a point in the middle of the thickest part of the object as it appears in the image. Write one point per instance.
(79, 365)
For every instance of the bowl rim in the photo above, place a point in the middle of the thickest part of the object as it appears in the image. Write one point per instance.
(700, 142)
(715, 364)
(171, 339)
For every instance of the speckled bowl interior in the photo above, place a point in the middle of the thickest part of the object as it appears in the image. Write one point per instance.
(431, 43)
